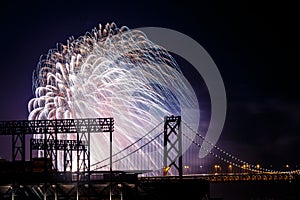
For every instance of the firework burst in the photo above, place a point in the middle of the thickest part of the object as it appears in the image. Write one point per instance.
(112, 72)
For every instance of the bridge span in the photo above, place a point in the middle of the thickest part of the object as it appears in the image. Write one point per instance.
(228, 177)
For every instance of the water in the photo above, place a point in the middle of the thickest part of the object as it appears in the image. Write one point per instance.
(255, 190)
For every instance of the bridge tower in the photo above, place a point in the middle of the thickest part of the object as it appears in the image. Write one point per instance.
(172, 144)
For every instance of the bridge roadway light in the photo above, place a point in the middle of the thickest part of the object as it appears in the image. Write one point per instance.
(186, 168)
(287, 166)
(230, 168)
(166, 169)
(244, 167)
(217, 168)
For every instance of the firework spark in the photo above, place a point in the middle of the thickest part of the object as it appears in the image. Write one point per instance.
(112, 72)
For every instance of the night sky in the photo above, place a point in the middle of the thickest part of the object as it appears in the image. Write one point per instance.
(254, 45)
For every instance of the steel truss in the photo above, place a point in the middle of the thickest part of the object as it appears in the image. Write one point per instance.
(50, 144)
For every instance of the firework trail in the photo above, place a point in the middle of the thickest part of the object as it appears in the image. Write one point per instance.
(112, 72)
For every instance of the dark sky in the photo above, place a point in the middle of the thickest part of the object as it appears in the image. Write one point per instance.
(254, 45)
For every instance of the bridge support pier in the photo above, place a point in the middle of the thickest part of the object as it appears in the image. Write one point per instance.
(172, 144)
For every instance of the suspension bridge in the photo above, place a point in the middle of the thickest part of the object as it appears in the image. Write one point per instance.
(166, 155)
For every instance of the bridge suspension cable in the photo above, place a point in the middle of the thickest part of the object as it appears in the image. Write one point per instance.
(96, 165)
(134, 151)
(233, 160)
